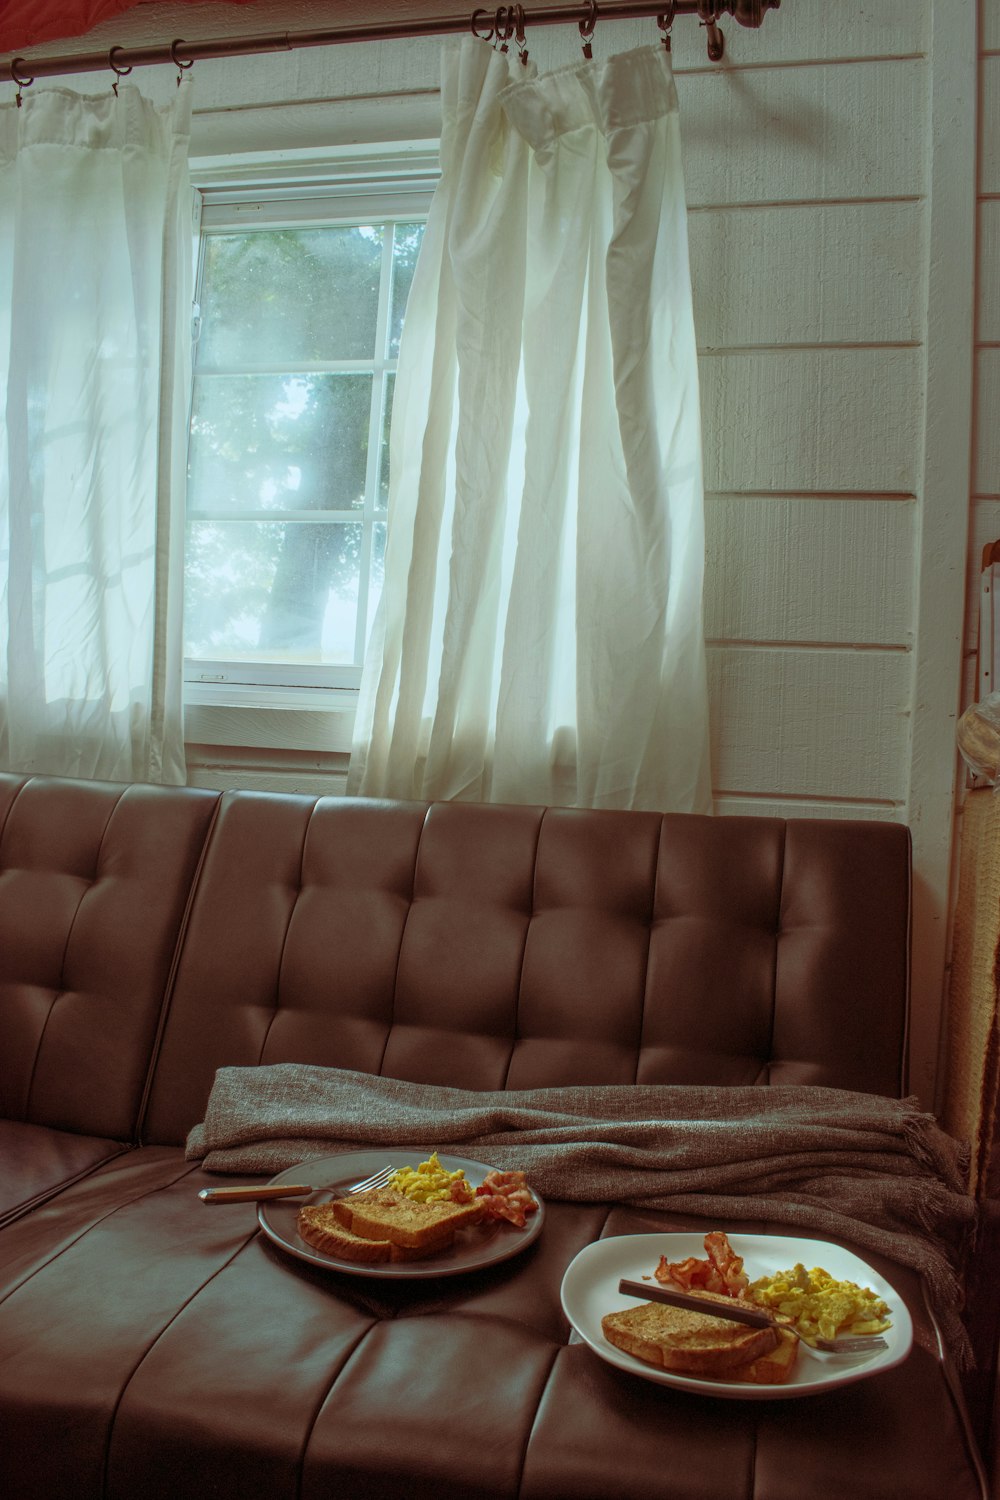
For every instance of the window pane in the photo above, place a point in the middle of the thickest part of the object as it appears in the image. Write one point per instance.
(279, 442)
(284, 295)
(377, 574)
(281, 431)
(272, 591)
(383, 458)
(405, 245)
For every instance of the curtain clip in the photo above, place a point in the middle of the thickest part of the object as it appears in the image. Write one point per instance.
(180, 66)
(587, 28)
(119, 73)
(503, 27)
(665, 22)
(522, 47)
(22, 83)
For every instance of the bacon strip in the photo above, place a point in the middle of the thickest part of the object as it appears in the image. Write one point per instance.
(505, 1195)
(721, 1272)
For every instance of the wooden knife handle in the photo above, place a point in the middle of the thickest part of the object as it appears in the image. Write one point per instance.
(251, 1193)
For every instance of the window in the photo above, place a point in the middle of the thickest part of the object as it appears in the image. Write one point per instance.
(300, 296)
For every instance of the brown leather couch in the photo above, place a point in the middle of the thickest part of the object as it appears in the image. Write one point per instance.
(153, 1348)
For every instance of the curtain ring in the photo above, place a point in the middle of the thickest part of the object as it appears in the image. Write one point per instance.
(119, 73)
(522, 48)
(22, 83)
(483, 36)
(503, 26)
(180, 66)
(587, 28)
(665, 21)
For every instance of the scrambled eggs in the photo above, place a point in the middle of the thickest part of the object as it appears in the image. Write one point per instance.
(430, 1183)
(820, 1306)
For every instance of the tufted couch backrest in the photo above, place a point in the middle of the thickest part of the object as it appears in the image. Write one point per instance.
(490, 947)
(94, 883)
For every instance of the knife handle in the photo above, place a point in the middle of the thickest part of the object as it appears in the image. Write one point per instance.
(737, 1312)
(253, 1194)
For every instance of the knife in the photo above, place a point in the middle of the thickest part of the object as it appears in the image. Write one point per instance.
(735, 1312)
(252, 1193)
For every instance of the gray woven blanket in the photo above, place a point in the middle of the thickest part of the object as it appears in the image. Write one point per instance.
(877, 1172)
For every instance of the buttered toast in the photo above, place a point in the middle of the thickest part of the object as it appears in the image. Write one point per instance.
(383, 1225)
(688, 1343)
(319, 1227)
(383, 1213)
(771, 1369)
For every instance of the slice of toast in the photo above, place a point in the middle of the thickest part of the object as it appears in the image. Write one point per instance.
(775, 1368)
(319, 1227)
(688, 1343)
(382, 1213)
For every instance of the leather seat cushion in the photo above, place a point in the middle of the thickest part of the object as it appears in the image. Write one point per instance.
(38, 1162)
(188, 1355)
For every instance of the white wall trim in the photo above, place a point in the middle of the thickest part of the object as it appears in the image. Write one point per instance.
(943, 515)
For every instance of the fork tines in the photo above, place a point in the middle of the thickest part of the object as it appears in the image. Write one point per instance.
(377, 1179)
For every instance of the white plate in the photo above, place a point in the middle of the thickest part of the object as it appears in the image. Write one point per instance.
(479, 1246)
(590, 1290)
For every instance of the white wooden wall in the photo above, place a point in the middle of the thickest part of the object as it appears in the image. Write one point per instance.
(829, 176)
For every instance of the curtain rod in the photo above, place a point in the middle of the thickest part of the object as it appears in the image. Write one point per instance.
(182, 54)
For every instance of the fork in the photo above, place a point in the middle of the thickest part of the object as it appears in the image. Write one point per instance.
(251, 1193)
(755, 1317)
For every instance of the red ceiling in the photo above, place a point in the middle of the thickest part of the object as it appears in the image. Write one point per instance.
(25, 23)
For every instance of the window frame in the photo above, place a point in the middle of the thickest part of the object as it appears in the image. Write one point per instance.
(315, 188)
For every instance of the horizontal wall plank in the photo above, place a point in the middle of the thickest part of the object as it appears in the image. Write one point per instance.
(989, 11)
(782, 569)
(810, 723)
(815, 134)
(989, 126)
(791, 807)
(804, 420)
(986, 463)
(806, 274)
(988, 272)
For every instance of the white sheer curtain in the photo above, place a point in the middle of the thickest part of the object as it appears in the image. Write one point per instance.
(540, 633)
(95, 307)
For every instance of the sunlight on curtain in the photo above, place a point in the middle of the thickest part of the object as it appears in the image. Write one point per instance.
(95, 270)
(540, 633)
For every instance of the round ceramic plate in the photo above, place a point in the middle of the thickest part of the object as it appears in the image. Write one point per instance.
(590, 1289)
(479, 1246)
